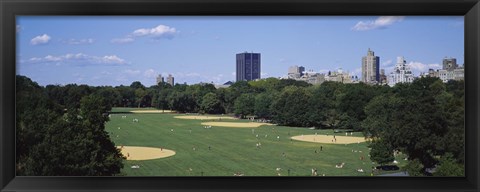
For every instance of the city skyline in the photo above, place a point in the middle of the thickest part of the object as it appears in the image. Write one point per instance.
(119, 50)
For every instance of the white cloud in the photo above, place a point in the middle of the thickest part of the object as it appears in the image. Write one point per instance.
(379, 23)
(421, 67)
(41, 39)
(52, 58)
(79, 58)
(112, 59)
(234, 73)
(150, 73)
(79, 41)
(122, 40)
(158, 31)
(434, 66)
(19, 28)
(416, 67)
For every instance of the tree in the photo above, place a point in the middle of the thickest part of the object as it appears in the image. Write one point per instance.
(448, 166)
(56, 93)
(74, 94)
(414, 168)
(197, 92)
(34, 112)
(421, 119)
(137, 85)
(379, 114)
(454, 140)
(265, 85)
(291, 82)
(351, 104)
(348, 122)
(228, 99)
(291, 107)
(76, 144)
(263, 103)
(162, 98)
(244, 105)
(182, 102)
(211, 104)
(323, 106)
(105, 159)
(240, 87)
(332, 119)
(140, 94)
(54, 141)
(109, 94)
(381, 152)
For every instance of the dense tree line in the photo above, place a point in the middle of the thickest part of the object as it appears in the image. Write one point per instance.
(63, 133)
(423, 119)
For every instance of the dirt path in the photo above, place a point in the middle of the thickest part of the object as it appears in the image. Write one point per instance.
(145, 153)
(235, 125)
(151, 111)
(329, 139)
(203, 117)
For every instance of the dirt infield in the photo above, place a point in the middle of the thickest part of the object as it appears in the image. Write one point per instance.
(145, 153)
(151, 111)
(236, 125)
(329, 139)
(201, 117)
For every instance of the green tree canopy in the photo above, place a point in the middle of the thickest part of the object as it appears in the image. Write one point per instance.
(244, 105)
(381, 152)
(448, 166)
(211, 104)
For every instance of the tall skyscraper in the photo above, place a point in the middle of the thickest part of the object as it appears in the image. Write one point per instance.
(170, 80)
(248, 66)
(370, 68)
(160, 79)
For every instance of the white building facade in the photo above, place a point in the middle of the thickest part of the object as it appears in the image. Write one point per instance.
(401, 73)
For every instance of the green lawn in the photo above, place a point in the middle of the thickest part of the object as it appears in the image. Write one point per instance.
(232, 149)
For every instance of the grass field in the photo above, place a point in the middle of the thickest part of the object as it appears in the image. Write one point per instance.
(232, 150)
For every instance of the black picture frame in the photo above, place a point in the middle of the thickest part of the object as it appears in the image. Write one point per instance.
(9, 9)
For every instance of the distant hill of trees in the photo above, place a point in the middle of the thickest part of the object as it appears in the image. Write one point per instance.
(423, 119)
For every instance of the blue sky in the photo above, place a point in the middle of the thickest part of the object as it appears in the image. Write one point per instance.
(119, 50)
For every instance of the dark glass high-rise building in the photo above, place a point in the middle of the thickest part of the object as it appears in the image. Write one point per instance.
(248, 66)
